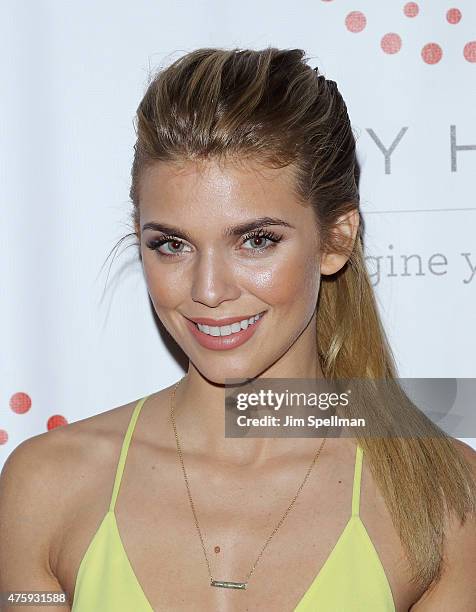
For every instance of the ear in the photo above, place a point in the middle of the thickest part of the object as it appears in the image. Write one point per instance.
(346, 228)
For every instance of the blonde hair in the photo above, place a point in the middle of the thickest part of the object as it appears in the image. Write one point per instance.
(270, 106)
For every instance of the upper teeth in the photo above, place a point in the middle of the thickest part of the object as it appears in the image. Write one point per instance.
(226, 330)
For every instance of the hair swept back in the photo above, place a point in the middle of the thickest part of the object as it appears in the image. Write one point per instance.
(270, 106)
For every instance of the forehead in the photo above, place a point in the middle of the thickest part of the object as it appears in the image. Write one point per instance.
(237, 187)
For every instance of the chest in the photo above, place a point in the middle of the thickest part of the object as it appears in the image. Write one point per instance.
(153, 538)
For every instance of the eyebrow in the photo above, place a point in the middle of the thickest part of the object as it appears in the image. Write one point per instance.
(234, 230)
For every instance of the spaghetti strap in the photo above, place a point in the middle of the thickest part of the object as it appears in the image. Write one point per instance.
(357, 478)
(125, 447)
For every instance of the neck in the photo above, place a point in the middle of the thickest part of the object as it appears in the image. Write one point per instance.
(199, 413)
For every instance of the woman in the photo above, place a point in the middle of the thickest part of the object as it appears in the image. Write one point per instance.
(245, 207)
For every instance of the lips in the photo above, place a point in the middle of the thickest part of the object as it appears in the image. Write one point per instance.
(225, 321)
(221, 343)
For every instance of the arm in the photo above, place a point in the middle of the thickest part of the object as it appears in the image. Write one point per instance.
(29, 518)
(456, 589)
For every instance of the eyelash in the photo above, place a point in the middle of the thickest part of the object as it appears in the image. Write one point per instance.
(156, 243)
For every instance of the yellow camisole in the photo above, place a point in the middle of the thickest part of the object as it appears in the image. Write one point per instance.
(351, 580)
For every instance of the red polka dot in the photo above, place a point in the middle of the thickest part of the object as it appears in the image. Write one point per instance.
(3, 436)
(391, 43)
(20, 402)
(57, 420)
(453, 15)
(469, 51)
(355, 21)
(431, 53)
(411, 9)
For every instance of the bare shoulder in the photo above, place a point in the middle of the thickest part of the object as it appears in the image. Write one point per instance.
(42, 480)
(46, 464)
(456, 588)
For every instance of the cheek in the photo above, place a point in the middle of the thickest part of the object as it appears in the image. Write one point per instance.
(288, 281)
(165, 287)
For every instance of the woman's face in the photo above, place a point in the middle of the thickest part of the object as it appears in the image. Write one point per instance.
(209, 265)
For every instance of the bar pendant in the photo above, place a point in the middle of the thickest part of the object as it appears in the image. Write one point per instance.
(228, 585)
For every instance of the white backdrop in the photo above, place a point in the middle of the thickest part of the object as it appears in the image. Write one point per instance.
(73, 75)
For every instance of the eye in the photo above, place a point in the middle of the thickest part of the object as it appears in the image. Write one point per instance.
(171, 241)
(260, 236)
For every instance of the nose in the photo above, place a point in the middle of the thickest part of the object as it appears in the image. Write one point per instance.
(213, 279)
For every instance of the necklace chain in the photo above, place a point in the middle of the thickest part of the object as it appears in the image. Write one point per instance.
(281, 521)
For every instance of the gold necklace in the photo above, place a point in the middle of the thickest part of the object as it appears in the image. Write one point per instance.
(226, 583)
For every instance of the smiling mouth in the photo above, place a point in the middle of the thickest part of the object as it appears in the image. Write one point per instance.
(231, 328)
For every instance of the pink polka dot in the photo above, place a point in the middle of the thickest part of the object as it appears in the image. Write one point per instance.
(469, 51)
(411, 9)
(453, 15)
(56, 420)
(20, 402)
(3, 436)
(391, 43)
(431, 53)
(355, 21)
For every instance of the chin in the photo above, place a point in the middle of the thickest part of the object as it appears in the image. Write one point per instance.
(226, 374)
